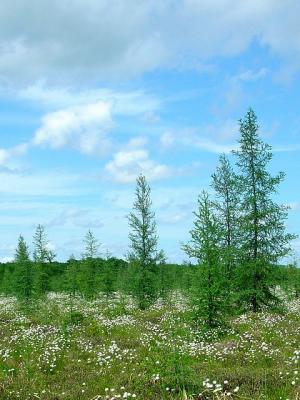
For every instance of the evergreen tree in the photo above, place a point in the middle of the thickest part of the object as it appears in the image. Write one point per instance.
(89, 267)
(23, 273)
(209, 290)
(91, 245)
(41, 256)
(41, 253)
(262, 230)
(225, 184)
(143, 254)
(22, 252)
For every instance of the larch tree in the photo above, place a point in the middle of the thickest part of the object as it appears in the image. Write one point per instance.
(92, 245)
(41, 256)
(24, 276)
(89, 270)
(226, 187)
(208, 295)
(41, 252)
(143, 255)
(263, 237)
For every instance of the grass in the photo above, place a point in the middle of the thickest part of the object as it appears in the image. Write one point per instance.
(108, 349)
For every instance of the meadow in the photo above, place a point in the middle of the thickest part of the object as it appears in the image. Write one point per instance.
(63, 347)
(224, 325)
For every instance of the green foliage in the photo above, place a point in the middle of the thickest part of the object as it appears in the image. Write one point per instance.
(143, 256)
(91, 245)
(226, 185)
(41, 283)
(209, 289)
(293, 279)
(71, 277)
(88, 276)
(41, 252)
(263, 239)
(23, 272)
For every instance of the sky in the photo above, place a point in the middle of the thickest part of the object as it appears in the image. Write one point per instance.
(95, 92)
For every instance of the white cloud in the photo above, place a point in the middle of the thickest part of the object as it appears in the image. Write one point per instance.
(211, 138)
(76, 217)
(121, 102)
(55, 183)
(9, 157)
(250, 75)
(91, 40)
(210, 146)
(167, 139)
(83, 128)
(83, 119)
(128, 164)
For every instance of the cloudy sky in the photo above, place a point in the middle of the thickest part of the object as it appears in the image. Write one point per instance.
(93, 92)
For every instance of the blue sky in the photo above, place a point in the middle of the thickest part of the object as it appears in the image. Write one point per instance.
(94, 93)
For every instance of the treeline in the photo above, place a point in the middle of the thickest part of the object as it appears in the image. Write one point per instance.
(237, 243)
(86, 278)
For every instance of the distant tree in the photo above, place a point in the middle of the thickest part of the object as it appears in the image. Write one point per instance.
(41, 256)
(23, 272)
(263, 238)
(143, 254)
(209, 290)
(89, 278)
(92, 245)
(41, 252)
(22, 251)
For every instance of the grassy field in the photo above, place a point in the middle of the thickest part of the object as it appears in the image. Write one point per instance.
(108, 349)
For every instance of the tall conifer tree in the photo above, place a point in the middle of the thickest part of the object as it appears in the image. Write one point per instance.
(264, 240)
(143, 253)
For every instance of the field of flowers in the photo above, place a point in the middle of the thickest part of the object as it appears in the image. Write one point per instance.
(62, 348)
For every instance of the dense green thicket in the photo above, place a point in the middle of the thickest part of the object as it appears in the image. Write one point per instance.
(110, 275)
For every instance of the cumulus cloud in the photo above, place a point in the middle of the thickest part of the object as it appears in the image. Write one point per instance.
(128, 164)
(83, 128)
(82, 119)
(98, 39)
